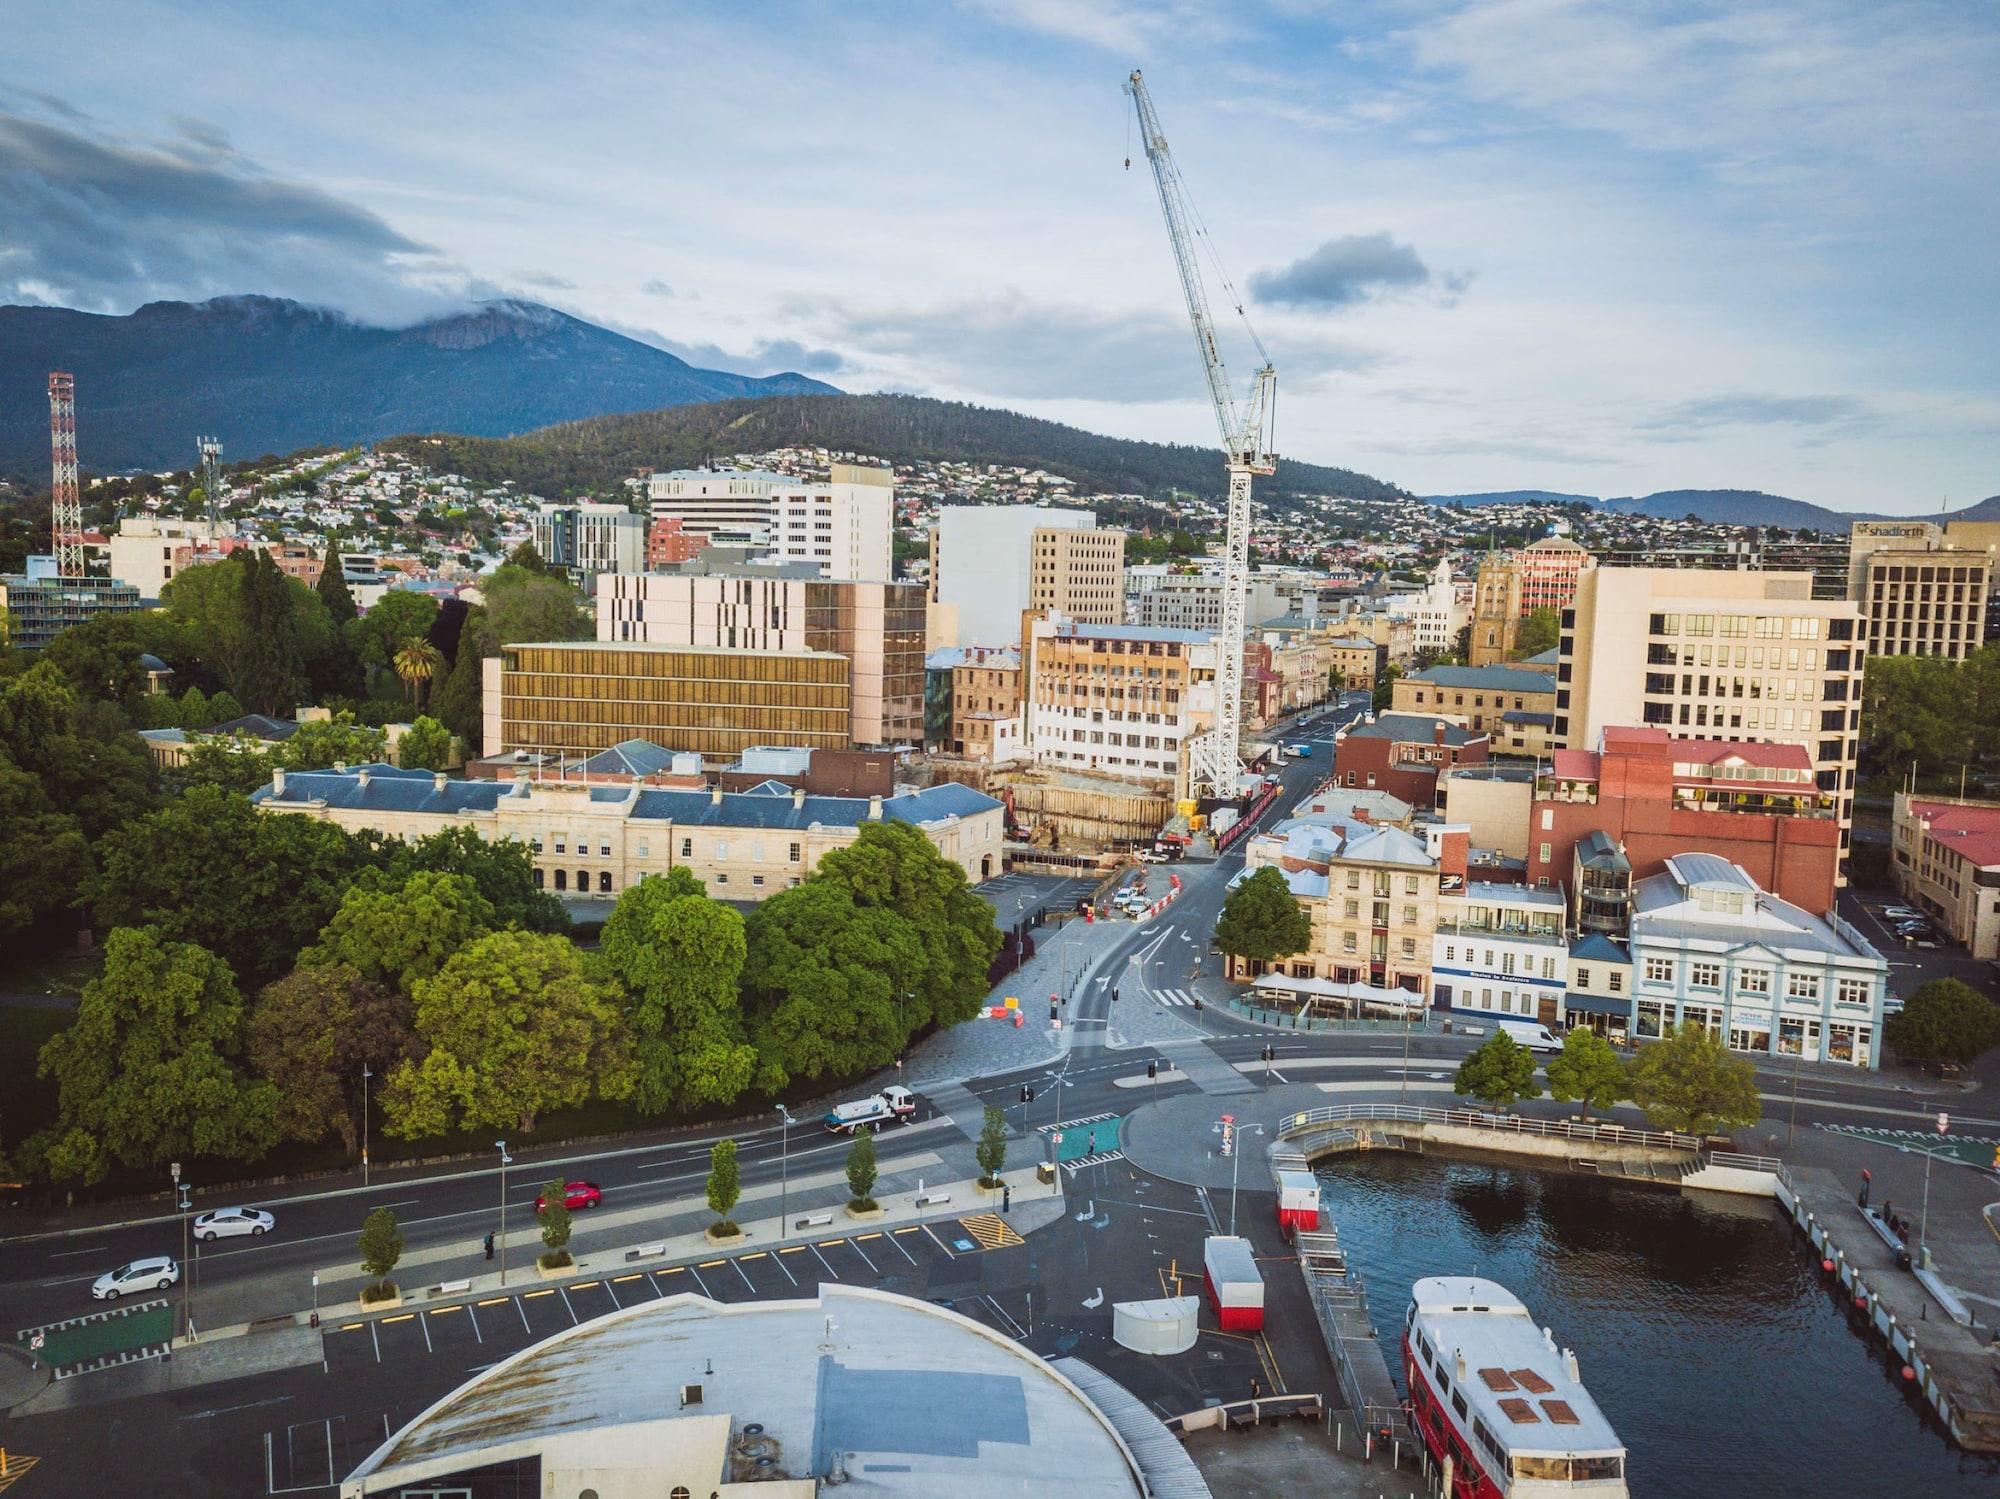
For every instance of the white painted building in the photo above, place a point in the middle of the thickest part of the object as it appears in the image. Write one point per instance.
(1709, 946)
(1500, 950)
(1436, 611)
(982, 569)
(585, 538)
(142, 550)
(842, 524)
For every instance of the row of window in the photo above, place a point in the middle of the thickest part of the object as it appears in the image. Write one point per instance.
(1741, 626)
(1508, 963)
(1705, 974)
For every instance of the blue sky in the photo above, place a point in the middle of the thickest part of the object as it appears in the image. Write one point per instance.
(1606, 248)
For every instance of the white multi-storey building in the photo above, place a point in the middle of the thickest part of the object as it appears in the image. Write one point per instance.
(1436, 612)
(842, 524)
(1123, 699)
(982, 569)
(585, 538)
(1500, 950)
(1709, 946)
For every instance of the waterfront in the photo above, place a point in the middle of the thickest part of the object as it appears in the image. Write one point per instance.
(1704, 1331)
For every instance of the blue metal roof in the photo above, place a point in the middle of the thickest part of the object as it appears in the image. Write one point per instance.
(1595, 947)
(637, 757)
(1598, 1004)
(1485, 679)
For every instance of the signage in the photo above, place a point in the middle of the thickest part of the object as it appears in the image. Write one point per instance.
(1944, 1123)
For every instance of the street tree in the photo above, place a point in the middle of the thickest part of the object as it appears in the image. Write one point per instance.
(991, 1149)
(1945, 1020)
(1385, 688)
(554, 1216)
(514, 1028)
(1499, 1074)
(1589, 1071)
(723, 1186)
(381, 1248)
(861, 1170)
(425, 745)
(1262, 919)
(312, 1032)
(401, 933)
(148, 1071)
(679, 957)
(1687, 1082)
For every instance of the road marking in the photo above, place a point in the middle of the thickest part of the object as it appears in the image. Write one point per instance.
(696, 1273)
(424, 1326)
(473, 1317)
(495, 1300)
(745, 1274)
(439, 1311)
(376, 1339)
(522, 1312)
(897, 1244)
(613, 1295)
(531, 1295)
(574, 1319)
(399, 1317)
(788, 1270)
(823, 1260)
(873, 1269)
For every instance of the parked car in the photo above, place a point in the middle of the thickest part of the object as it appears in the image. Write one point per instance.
(576, 1196)
(226, 1222)
(1151, 856)
(154, 1274)
(1920, 939)
(1902, 913)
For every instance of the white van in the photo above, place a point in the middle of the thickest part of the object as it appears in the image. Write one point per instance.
(1529, 1033)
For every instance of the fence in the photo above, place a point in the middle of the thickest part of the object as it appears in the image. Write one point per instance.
(1287, 1020)
(1557, 1129)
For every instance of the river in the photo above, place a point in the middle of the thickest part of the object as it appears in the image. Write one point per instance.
(1704, 1331)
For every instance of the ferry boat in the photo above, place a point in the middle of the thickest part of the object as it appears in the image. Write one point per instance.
(1501, 1408)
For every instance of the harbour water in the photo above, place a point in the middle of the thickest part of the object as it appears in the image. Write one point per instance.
(1704, 1331)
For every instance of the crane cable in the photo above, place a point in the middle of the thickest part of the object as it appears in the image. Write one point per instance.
(1222, 276)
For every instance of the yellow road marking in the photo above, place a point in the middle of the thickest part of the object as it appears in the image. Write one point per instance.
(864, 1237)
(588, 1285)
(619, 1280)
(492, 1301)
(439, 1311)
(710, 1264)
(795, 1249)
(531, 1295)
(757, 1256)
(352, 1326)
(404, 1317)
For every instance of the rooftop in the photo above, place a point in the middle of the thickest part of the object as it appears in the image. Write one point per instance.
(1972, 832)
(1486, 679)
(1073, 629)
(855, 1379)
(650, 648)
(1705, 898)
(1413, 728)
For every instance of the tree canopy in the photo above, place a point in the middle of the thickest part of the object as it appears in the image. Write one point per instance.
(1262, 919)
(400, 932)
(310, 1034)
(322, 743)
(1945, 1020)
(1499, 1074)
(502, 868)
(1687, 1082)
(1589, 1071)
(425, 745)
(1541, 630)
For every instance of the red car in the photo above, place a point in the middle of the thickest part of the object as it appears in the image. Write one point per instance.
(576, 1195)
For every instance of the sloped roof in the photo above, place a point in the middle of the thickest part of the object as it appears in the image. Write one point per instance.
(1412, 728)
(633, 757)
(1595, 947)
(1485, 679)
(259, 726)
(1971, 832)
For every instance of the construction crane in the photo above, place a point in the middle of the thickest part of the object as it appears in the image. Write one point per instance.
(210, 449)
(1215, 762)
(66, 518)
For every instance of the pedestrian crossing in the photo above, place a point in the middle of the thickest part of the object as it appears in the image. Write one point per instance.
(1099, 1159)
(1173, 996)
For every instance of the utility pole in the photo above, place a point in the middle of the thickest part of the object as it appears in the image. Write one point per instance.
(785, 1123)
(183, 1200)
(66, 516)
(505, 1161)
(366, 1073)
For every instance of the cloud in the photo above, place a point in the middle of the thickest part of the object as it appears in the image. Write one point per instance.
(1757, 409)
(1352, 269)
(1114, 25)
(544, 281)
(768, 356)
(1009, 346)
(97, 222)
(657, 288)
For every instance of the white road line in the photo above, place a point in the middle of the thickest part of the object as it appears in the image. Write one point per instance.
(872, 1269)
(898, 1242)
(823, 1262)
(472, 1313)
(524, 1317)
(748, 1283)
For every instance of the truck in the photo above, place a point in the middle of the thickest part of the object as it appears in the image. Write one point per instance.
(1529, 1033)
(881, 1108)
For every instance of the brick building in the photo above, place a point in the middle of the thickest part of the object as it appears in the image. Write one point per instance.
(1403, 754)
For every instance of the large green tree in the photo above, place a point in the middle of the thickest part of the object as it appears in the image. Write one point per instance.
(502, 868)
(679, 956)
(312, 1032)
(324, 742)
(332, 587)
(1262, 919)
(424, 745)
(390, 621)
(1589, 1071)
(83, 753)
(1499, 1074)
(458, 703)
(514, 1027)
(1945, 1020)
(401, 932)
(1687, 1082)
(44, 863)
(148, 1073)
(1541, 630)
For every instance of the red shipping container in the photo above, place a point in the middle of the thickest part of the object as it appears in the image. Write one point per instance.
(1233, 1285)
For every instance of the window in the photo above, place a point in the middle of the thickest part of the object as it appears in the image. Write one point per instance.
(722, 879)
(559, 844)
(1583, 978)
(794, 854)
(757, 880)
(1617, 982)
(604, 881)
(1659, 970)
(562, 879)
(1853, 991)
(604, 850)
(1409, 885)
(1705, 975)
(1753, 981)
(1546, 853)
(644, 849)
(687, 848)
(1802, 986)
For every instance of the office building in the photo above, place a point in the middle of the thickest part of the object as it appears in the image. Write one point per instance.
(1500, 950)
(566, 696)
(1358, 663)
(982, 569)
(590, 838)
(1947, 863)
(1711, 948)
(986, 705)
(1079, 572)
(842, 524)
(1123, 699)
(1435, 611)
(1757, 805)
(1825, 557)
(1193, 601)
(149, 550)
(1404, 754)
(669, 542)
(583, 538)
(1918, 596)
(1722, 655)
(1513, 585)
(1477, 696)
(40, 604)
(878, 627)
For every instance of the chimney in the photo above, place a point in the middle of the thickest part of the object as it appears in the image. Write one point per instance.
(437, 782)
(715, 794)
(361, 778)
(278, 781)
(1437, 732)
(798, 798)
(874, 809)
(340, 767)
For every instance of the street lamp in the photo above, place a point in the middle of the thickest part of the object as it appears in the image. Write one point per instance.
(505, 1161)
(366, 1073)
(785, 1123)
(183, 1194)
(1229, 1130)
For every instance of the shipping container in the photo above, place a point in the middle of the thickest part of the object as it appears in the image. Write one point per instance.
(1230, 1279)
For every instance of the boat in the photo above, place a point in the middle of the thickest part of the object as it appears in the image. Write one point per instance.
(1502, 1410)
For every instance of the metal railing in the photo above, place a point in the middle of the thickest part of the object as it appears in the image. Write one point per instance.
(1291, 1020)
(1513, 1124)
(1738, 1161)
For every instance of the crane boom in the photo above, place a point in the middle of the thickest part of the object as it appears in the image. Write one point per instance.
(1215, 763)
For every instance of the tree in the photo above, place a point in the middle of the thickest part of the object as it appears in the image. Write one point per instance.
(147, 1072)
(554, 1216)
(100, 658)
(312, 1032)
(1262, 919)
(861, 1170)
(527, 558)
(44, 862)
(401, 933)
(381, 1247)
(1336, 681)
(991, 1149)
(83, 753)
(266, 671)
(390, 621)
(723, 1186)
(424, 745)
(223, 708)
(322, 743)
(514, 1028)
(233, 762)
(1687, 1082)
(417, 662)
(458, 702)
(1946, 1020)
(679, 956)
(502, 868)
(1385, 688)
(192, 712)
(332, 587)
(1589, 1071)
(1499, 1074)
(1540, 630)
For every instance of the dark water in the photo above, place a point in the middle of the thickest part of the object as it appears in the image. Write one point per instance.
(1703, 1329)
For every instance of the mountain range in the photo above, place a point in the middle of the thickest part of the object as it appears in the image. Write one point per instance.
(267, 375)
(1737, 507)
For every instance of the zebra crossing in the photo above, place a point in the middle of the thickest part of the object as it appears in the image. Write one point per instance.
(1173, 996)
(1099, 1158)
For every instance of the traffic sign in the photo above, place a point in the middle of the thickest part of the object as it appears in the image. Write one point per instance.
(1944, 1123)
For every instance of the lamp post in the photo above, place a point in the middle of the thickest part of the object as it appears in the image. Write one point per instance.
(366, 1073)
(505, 1161)
(785, 1123)
(1230, 1130)
(1924, 1213)
(183, 1199)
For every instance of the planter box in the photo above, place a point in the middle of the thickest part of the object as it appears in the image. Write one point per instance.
(560, 1271)
(387, 1303)
(991, 1194)
(864, 1213)
(713, 1237)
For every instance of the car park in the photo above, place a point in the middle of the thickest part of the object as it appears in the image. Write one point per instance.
(576, 1197)
(1902, 913)
(1920, 939)
(226, 1223)
(154, 1274)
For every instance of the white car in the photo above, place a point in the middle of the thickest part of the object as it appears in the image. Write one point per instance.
(155, 1274)
(224, 1222)
(1902, 913)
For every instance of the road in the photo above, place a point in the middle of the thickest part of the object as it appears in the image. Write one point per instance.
(444, 1214)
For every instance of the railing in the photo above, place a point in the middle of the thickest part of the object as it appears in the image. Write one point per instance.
(1736, 1160)
(1607, 1134)
(1292, 1020)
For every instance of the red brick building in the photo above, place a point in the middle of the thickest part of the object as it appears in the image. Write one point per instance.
(1402, 754)
(667, 543)
(1756, 805)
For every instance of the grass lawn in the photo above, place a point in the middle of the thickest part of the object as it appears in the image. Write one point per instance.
(27, 1102)
(65, 974)
(116, 1331)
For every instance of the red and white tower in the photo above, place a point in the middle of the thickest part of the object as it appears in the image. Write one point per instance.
(68, 508)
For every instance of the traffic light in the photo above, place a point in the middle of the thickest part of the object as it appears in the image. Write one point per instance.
(1153, 1071)
(1027, 1094)
(1114, 996)
(1052, 1009)
(1270, 1054)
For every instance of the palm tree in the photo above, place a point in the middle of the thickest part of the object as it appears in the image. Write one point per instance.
(418, 661)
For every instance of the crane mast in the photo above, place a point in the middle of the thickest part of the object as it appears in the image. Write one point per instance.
(1215, 762)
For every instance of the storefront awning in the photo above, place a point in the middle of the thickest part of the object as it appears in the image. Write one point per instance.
(1614, 1005)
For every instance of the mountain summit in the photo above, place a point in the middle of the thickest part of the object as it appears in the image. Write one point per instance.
(268, 375)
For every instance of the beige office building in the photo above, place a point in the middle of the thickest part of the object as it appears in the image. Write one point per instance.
(564, 696)
(1919, 595)
(1079, 572)
(1719, 655)
(878, 627)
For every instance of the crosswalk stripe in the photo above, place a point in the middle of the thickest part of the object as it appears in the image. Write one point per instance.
(1173, 996)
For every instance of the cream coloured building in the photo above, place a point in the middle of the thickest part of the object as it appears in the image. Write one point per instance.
(597, 839)
(1078, 571)
(842, 524)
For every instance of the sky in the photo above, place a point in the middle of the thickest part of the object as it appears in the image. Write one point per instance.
(1489, 244)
